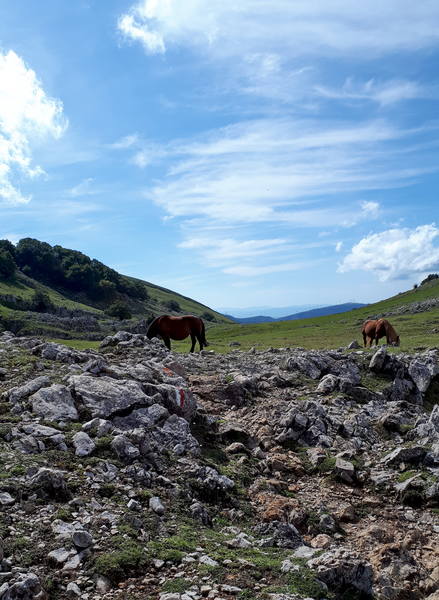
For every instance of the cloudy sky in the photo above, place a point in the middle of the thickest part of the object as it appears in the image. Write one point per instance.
(260, 152)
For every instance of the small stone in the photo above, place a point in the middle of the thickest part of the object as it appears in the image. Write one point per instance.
(82, 539)
(156, 505)
(83, 444)
(134, 505)
(103, 584)
(206, 560)
(73, 590)
(6, 498)
(60, 555)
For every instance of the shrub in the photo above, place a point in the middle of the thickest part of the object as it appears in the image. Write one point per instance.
(119, 310)
(128, 560)
(173, 305)
(41, 302)
(7, 265)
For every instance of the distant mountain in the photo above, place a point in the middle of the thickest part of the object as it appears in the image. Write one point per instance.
(257, 319)
(274, 312)
(324, 310)
(307, 314)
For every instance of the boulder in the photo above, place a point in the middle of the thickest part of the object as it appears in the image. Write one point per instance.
(106, 397)
(83, 444)
(54, 403)
(16, 394)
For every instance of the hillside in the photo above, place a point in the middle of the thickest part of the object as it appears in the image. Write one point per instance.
(57, 292)
(414, 314)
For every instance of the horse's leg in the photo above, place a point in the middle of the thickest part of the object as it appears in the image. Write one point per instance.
(193, 340)
(200, 341)
(364, 339)
(167, 341)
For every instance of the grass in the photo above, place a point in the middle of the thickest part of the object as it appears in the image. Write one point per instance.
(332, 331)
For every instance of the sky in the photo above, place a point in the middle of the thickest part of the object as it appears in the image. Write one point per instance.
(251, 153)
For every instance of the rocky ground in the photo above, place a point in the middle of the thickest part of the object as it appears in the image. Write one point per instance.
(287, 474)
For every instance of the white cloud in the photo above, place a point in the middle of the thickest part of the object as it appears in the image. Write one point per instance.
(84, 188)
(255, 271)
(126, 142)
(282, 170)
(395, 253)
(223, 250)
(301, 28)
(27, 116)
(383, 93)
(338, 246)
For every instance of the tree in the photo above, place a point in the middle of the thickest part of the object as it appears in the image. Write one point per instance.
(173, 305)
(8, 246)
(41, 302)
(119, 310)
(207, 316)
(7, 265)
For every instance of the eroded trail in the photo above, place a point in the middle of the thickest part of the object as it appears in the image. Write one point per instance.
(139, 473)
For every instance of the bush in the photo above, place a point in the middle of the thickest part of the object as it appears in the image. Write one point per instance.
(119, 310)
(207, 316)
(173, 305)
(41, 302)
(430, 277)
(7, 265)
(128, 560)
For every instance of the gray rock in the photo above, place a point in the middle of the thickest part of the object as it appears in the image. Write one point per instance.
(345, 470)
(54, 403)
(341, 569)
(73, 590)
(354, 345)
(6, 499)
(82, 539)
(282, 535)
(98, 427)
(328, 384)
(125, 450)
(16, 394)
(378, 359)
(83, 444)
(27, 587)
(105, 397)
(59, 556)
(49, 483)
(156, 505)
(415, 454)
(422, 370)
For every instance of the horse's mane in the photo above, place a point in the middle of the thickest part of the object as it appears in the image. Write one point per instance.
(390, 330)
(152, 328)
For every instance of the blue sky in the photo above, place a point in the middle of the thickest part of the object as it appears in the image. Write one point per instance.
(256, 153)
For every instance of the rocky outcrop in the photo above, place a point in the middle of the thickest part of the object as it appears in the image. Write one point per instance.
(138, 472)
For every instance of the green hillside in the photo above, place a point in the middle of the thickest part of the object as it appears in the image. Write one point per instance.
(56, 292)
(333, 331)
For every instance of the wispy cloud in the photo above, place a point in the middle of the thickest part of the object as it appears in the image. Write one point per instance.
(395, 253)
(282, 171)
(299, 28)
(84, 188)
(27, 116)
(383, 93)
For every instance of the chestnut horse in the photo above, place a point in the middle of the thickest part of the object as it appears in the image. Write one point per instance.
(178, 328)
(374, 330)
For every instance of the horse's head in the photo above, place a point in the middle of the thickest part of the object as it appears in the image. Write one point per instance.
(396, 341)
(152, 330)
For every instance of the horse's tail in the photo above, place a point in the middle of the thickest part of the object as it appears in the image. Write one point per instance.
(203, 333)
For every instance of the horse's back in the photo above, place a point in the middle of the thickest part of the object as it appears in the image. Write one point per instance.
(369, 326)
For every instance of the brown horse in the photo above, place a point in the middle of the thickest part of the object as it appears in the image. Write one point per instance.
(178, 328)
(376, 329)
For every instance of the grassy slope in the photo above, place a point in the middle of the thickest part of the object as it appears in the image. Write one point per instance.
(158, 296)
(332, 331)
